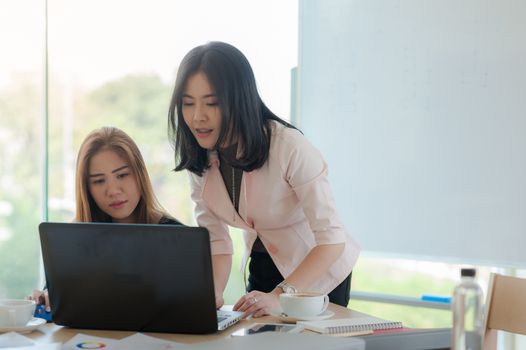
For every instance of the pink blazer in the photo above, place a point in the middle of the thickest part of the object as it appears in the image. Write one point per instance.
(287, 202)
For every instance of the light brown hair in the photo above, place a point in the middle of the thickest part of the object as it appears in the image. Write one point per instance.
(148, 210)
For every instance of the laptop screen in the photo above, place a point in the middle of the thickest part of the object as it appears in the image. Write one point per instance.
(129, 276)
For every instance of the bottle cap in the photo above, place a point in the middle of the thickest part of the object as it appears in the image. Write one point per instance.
(468, 272)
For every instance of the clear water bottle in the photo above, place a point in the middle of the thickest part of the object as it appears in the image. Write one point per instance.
(467, 313)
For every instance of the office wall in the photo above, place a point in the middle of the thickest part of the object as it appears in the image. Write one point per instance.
(419, 107)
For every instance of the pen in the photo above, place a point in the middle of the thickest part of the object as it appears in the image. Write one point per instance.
(436, 298)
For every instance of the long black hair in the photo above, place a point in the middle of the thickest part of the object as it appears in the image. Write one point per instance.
(244, 116)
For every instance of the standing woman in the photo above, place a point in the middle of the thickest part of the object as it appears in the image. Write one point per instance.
(252, 170)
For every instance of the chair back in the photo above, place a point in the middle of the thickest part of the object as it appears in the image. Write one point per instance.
(505, 308)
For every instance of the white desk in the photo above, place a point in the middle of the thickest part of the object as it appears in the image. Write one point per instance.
(50, 332)
(417, 339)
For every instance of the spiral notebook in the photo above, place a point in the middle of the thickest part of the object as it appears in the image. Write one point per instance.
(348, 325)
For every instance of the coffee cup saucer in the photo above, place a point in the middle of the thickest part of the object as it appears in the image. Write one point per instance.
(33, 324)
(289, 319)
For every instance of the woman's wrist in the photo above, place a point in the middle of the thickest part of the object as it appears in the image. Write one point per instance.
(286, 287)
(276, 291)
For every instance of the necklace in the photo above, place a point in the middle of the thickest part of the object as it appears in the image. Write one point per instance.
(234, 192)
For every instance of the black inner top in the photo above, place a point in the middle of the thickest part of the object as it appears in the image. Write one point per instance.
(228, 172)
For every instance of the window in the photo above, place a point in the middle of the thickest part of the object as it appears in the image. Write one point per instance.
(113, 63)
(21, 96)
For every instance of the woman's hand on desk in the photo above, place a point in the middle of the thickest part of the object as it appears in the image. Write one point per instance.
(258, 303)
(41, 297)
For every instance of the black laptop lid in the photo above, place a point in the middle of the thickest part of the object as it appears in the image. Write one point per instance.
(155, 278)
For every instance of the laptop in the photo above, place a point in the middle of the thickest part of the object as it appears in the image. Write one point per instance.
(148, 278)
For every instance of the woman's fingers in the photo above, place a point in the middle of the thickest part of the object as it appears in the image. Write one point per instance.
(46, 301)
(36, 296)
(261, 312)
(41, 297)
(245, 302)
(255, 303)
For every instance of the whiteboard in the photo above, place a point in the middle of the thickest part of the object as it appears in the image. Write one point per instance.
(419, 108)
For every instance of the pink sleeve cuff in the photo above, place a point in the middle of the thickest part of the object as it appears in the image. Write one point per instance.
(333, 236)
(221, 247)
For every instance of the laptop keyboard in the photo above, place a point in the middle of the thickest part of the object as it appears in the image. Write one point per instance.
(227, 318)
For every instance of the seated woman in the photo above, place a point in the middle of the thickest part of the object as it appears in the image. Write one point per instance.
(112, 185)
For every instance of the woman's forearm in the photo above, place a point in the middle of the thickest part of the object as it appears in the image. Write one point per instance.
(221, 265)
(315, 265)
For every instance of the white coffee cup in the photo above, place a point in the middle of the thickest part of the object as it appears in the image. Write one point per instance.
(302, 305)
(16, 312)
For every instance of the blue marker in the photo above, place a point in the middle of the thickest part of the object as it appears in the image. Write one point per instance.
(40, 312)
(436, 298)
